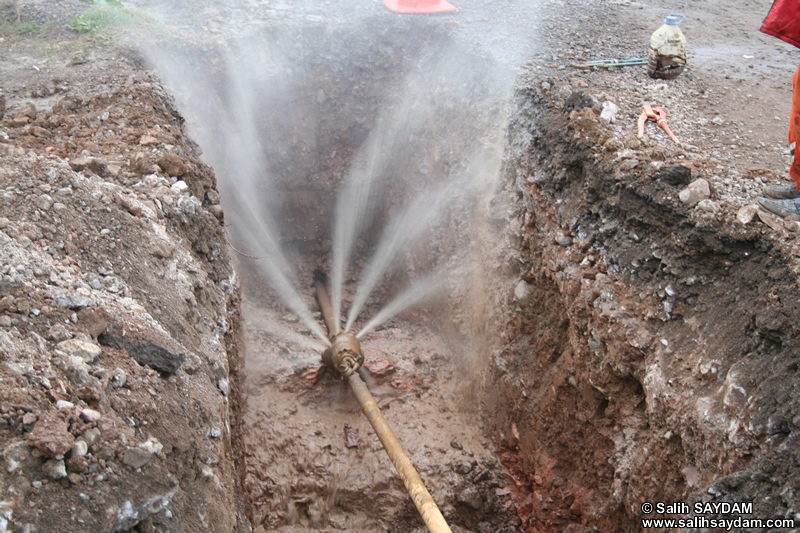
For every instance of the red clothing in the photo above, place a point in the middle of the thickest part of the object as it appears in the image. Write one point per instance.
(794, 128)
(783, 21)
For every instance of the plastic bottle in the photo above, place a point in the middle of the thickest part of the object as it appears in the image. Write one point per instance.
(667, 49)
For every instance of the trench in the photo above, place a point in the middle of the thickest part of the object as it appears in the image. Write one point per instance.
(312, 460)
(295, 123)
(587, 351)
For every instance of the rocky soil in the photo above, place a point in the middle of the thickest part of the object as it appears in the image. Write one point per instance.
(616, 345)
(120, 310)
(652, 340)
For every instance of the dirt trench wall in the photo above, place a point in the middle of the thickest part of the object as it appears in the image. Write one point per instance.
(650, 351)
(120, 358)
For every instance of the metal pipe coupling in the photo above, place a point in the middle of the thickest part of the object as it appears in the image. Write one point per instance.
(344, 354)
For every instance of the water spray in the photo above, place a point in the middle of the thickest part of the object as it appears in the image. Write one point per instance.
(345, 357)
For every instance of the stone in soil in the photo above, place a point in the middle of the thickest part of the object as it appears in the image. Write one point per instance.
(51, 436)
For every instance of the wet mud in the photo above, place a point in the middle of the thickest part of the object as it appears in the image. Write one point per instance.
(315, 462)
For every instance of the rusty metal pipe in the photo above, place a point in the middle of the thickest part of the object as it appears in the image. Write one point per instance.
(324, 301)
(414, 486)
(345, 356)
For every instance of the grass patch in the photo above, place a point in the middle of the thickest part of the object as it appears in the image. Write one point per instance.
(105, 19)
(10, 29)
(103, 14)
(11, 23)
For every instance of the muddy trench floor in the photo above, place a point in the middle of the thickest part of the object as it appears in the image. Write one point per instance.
(313, 461)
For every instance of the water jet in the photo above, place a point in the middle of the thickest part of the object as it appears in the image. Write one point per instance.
(344, 355)
(375, 183)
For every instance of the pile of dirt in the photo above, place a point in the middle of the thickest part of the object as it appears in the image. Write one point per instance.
(636, 382)
(119, 308)
(652, 338)
(647, 347)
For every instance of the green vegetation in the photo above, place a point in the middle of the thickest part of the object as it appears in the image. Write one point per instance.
(101, 15)
(16, 29)
(11, 24)
(106, 18)
(103, 23)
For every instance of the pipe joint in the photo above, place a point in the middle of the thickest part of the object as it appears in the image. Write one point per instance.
(344, 354)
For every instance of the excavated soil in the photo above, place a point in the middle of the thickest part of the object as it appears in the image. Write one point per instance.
(600, 343)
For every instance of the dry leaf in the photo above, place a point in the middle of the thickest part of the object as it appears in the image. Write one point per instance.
(351, 438)
(312, 375)
(379, 367)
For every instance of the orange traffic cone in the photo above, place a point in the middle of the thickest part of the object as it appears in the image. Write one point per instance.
(419, 6)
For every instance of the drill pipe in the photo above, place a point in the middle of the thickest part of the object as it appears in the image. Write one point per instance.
(345, 356)
(414, 486)
(331, 322)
